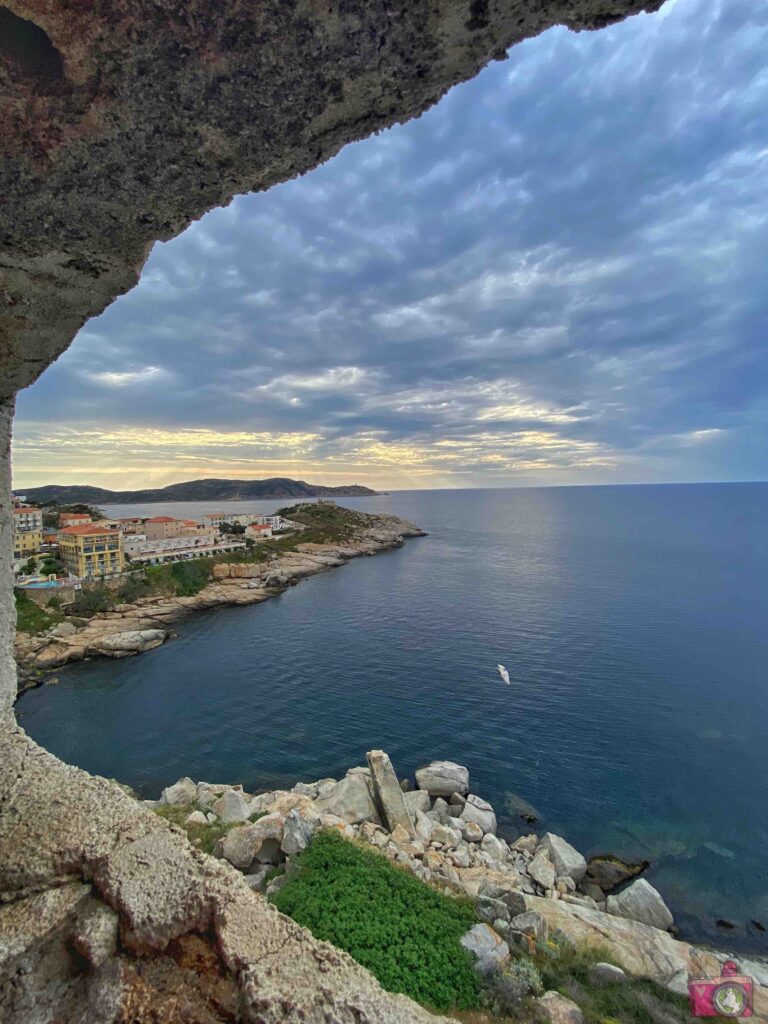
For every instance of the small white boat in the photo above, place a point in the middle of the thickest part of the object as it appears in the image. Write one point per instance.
(503, 673)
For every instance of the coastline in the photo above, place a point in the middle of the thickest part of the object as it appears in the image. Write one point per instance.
(530, 894)
(131, 629)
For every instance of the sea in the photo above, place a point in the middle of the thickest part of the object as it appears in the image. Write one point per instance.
(633, 622)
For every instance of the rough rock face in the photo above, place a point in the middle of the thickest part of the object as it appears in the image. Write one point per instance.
(119, 124)
(121, 127)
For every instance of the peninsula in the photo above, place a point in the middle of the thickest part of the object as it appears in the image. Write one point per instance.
(193, 490)
(132, 614)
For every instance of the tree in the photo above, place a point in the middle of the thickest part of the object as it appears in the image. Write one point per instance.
(31, 567)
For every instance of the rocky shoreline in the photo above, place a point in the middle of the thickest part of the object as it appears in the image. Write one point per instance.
(527, 892)
(131, 629)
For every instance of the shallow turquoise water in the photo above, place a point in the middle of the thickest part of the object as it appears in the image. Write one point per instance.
(633, 624)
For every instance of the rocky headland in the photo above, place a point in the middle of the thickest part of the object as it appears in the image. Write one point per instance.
(535, 892)
(130, 629)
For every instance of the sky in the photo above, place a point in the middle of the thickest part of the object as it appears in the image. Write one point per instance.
(555, 276)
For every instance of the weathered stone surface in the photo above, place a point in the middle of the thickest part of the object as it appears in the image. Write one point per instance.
(531, 923)
(485, 944)
(480, 811)
(641, 902)
(443, 778)
(567, 860)
(417, 800)
(182, 792)
(559, 1010)
(541, 868)
(196, 818)
(349, 799)
(297, 834)
(389, 796)
(232, 806)
(471, 831)
(258, 841)
(120, 645)
(608, 872)
(606, 974)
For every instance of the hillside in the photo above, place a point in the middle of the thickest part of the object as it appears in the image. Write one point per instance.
(192, 490)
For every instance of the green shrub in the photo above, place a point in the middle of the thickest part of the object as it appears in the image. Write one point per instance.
(406, 933)
(182, 579)
(505, 990)
(134, 586)
(30, 617)
(92, 599)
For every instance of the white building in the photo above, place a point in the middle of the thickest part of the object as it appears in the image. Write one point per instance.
(216, 519)
(174, 549)
(27, 517)
(258, 531)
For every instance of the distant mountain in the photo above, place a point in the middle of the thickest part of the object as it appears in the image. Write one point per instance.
(192, 490)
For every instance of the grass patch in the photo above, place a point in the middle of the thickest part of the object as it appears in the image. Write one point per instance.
(406, 933)
(635, 1001)
(30, 617)
(204, 837)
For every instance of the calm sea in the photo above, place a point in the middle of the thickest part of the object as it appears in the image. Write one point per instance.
(634, 625)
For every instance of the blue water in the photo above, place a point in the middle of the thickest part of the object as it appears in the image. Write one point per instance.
(633, 622)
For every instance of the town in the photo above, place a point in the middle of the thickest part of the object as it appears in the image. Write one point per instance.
(55, 548)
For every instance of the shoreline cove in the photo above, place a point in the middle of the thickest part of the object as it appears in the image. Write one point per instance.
(131, 629)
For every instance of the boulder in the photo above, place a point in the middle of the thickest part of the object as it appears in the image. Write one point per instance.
(134, 641)
(232, 807)
(480, 811)
(424, 826)
(490, 910)
(443, 778)
(526, 844)
(446, 836)
(388, 794)
(531, 923)
(641, 902)
(485, 944)
(417, 800)
(559, 1010)
(606, 974)
(196, 818)
(496, 848)
(440, 812)
(567, 860)
(349, 799)
(608, 872)
(181, 792)
(470, 831)
(297, 833)
(257, 842)
(541, 868)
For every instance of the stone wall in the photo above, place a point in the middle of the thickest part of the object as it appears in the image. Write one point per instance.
(120, 122)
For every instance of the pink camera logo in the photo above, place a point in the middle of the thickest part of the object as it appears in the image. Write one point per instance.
(730, 995)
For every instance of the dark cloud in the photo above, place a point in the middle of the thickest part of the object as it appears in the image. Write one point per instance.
(555, 275)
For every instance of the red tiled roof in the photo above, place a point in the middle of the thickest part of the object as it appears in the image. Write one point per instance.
(162, 519)
(25, 509)
(189, 522)
(259, 526)
(85, 529)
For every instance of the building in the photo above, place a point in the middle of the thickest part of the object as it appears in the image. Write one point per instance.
(162, 527)
(217, 519)
(73, 519)
(90, 550)
(174, 549)
(258, 531)
(27, 531)
(27, 517)
(26, 543)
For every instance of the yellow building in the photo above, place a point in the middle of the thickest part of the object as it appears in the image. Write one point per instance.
(26, 542)
(91, 550)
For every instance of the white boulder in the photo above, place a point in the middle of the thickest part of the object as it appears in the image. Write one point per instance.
(480, 811)
(181, 792)
(641, 902)
(350, 799)
(443, 778)
(567, 860)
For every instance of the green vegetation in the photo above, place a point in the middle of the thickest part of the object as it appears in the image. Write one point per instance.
(30, 567)
(204, 837)
(406, 933)
(181, 579)
(92, 599)
(634, 1001)
(30, 618)
(52, 510)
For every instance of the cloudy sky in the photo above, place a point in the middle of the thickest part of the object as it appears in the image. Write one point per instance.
(556, 276)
